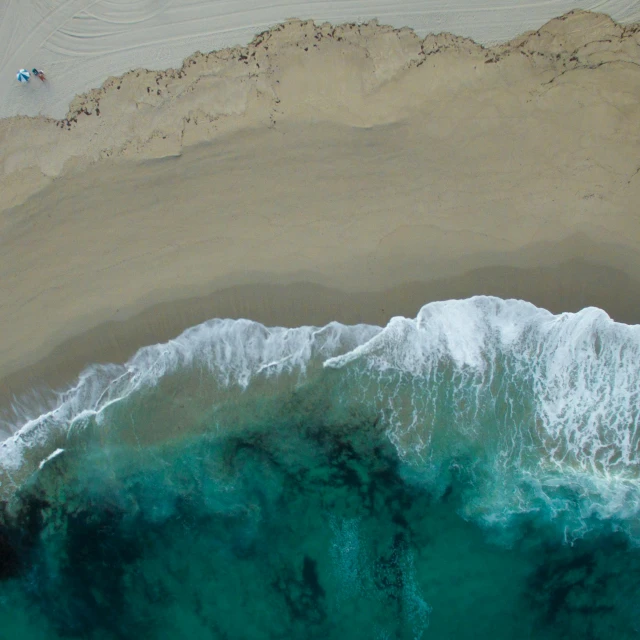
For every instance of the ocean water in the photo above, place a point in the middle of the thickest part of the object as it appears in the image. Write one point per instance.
(470, 473)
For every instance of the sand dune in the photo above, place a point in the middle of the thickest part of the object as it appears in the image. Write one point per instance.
(82, 42)
(359, 158)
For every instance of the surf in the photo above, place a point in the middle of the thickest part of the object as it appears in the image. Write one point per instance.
(350, 469)
(542, 397)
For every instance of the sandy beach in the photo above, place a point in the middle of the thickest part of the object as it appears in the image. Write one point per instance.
(82, 42)
(322, 326)
(321, 173)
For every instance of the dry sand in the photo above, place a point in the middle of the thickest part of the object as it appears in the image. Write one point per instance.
(82, 42)
(358, 171)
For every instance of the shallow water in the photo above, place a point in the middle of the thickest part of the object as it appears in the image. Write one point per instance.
(470, 473)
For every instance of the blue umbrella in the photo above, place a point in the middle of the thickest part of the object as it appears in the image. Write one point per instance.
(23, 75)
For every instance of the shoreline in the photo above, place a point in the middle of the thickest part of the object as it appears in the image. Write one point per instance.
(359, 159)
(567, 287)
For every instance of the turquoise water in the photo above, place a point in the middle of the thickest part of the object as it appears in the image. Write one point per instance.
(471, 473)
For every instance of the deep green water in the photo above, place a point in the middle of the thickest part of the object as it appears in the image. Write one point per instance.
(469, 474)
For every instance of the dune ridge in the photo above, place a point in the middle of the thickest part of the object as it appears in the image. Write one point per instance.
(358, 75)
(82, 42)
(353, 157)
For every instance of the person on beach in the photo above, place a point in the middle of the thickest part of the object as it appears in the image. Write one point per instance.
(39, 74)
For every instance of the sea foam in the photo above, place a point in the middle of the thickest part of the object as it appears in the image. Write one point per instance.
(541, 409)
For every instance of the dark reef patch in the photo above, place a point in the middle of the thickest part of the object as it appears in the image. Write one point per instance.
(299, 526)
(589, 589)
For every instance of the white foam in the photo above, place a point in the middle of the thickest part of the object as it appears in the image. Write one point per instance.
(583, 368)
(555, 399)
(233, 351)
(55, 454)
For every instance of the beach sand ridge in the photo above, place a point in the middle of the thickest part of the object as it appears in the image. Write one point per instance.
(357, 75)
(357, 158)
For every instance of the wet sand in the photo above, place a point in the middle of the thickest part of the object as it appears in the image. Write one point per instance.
(569, 286)
(317, 175)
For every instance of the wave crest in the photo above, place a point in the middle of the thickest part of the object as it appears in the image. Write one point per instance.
(540, 410)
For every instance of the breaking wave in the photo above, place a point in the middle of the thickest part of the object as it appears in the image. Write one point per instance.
(541, 409)
(472, 472)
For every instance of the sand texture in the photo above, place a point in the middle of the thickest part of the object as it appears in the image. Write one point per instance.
(358, 158)
(82, 42)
